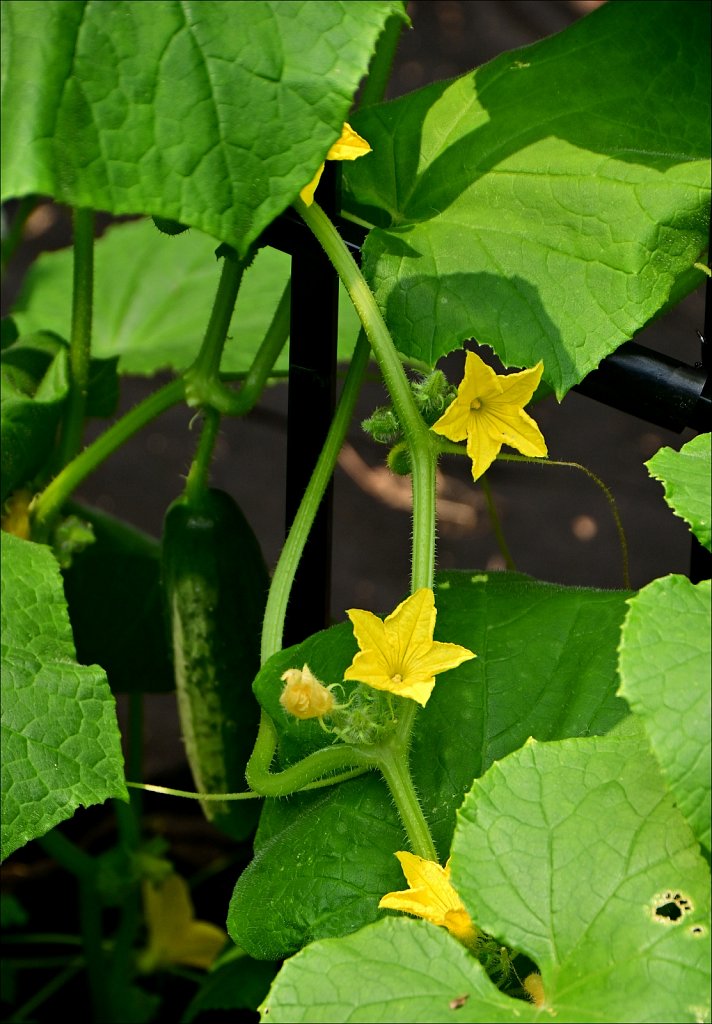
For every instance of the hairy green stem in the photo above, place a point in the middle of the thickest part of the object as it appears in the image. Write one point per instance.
(606, 492)
(199, 472)
(415, 429)
(422, 446)
(185, 794)
(423, 449)
(233, 403)
(80, 337)
(206, 368)
(286, 568)
(49, 503)
(393, 763)
(298, 776)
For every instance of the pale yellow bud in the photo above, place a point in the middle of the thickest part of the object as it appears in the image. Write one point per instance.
(304, 696)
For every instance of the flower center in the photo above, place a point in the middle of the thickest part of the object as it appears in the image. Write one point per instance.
(397, 678)
(475, 404)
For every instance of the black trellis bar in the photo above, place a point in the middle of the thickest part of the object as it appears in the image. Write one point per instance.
(633, 379)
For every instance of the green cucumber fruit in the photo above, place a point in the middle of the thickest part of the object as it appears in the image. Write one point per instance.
(215, 582)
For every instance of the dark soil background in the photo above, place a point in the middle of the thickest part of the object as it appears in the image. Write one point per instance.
(557, 523)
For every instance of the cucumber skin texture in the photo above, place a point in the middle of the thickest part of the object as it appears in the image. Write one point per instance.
(215, 582)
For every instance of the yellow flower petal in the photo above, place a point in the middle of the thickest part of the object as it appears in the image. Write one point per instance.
(307, 193)
(349, 146)
(489, 412)
(174, 936)
(432, 897)
(304, 696)
(399, 654)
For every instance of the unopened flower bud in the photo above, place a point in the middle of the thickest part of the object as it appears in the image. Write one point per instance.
(304, 696)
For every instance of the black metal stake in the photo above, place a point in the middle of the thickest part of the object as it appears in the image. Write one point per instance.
(312, 380)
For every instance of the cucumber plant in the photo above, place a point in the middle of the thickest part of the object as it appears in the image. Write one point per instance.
(490, 799)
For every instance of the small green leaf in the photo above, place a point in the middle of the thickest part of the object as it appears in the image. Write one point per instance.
(574, 853)
(686, 477)
(324, 859)
(395, 971)
(60, 738)
(33, 387)
(153, 296)
(536, 204)
(665, 664)
(211, 114)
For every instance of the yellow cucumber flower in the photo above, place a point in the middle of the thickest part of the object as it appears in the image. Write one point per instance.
(489, 412)
(304, 696)
(432, 897)
(399, 654)
(349, 147)
(174, 935)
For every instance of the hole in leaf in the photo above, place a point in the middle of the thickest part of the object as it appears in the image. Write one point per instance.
(670, 906)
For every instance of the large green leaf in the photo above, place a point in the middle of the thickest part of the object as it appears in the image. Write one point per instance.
(665, 665)
(397, 970)
(552, 201)
(546, 667)
(60, 739)
(212, 114)
(152, 299)
(687, 478)
(575, 853)
(570, 851)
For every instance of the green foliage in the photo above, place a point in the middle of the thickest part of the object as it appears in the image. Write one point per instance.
(208, 114)
(665, 667)
(547, 205)
(153, 317)
(687, 478)
(324, 859)
(542, 858)
(539, 177)
(60, 746)
(34, 385)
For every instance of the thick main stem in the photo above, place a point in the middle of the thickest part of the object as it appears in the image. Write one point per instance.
(393, 764)
(421, 445)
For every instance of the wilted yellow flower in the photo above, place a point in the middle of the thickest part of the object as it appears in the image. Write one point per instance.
(349, 147)
(399, 654)
(16, 518)
(304, 696)
(174, 936)
(432, 897)
(489, 412)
